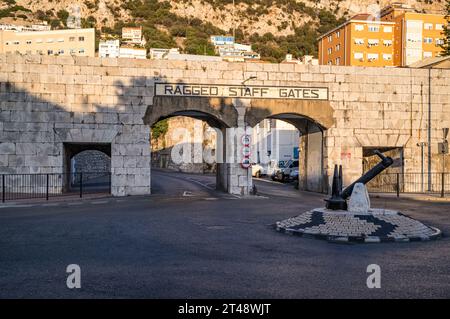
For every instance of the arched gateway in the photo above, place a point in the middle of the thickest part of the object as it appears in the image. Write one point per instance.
(49, 105)
(228, 107)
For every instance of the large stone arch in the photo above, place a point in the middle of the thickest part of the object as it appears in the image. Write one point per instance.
(311, 118)
(217, 112)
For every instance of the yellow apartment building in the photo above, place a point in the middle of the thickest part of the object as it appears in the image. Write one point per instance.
(414, 37)
(359, 41)
(79, 42)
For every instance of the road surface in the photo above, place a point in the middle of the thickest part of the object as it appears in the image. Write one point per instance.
(190, 241)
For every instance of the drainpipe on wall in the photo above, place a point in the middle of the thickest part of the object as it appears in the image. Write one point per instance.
(429, 129)
(345, 46)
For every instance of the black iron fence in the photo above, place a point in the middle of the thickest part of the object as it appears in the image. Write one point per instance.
(28, 186)
(437, 183)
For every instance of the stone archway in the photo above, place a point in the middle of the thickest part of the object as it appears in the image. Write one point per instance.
(97, 175)
(311, 118)
(219, 113)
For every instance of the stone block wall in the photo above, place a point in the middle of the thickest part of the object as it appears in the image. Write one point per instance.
(47, 101)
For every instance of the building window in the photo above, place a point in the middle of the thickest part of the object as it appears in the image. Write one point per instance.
(81, 51)
(81, 39)
(439, 41)
(61, 40)
(387, 43)
(49, 40)
(61, 51)
(39, 41)
(374, 28)
(28, 41)
(372, 56)
(439, 26)
(427, 40)
(427, 54)
(428, 26)
(330, 62)
(338, 47)
(72, 51)
(359, 56)
(387, 29)
(372, 42)
(330, 38)
(359, 27)
(359, 41)
(387, 56)
(16, 42)
(330, 50)
(71, 39)
(338, 61)
(8, 43)
(49, 52)
(338, 34)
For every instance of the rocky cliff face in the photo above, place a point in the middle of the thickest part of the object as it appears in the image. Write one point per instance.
(273, 27)
(260, 16)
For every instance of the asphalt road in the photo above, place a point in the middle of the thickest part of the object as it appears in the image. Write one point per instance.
(189, 241)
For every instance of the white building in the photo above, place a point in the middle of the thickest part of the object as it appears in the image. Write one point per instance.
(133, 35)
(306, 59)
(157, 53)
(174, 54)
(274, 140)
(23, 28)
(109, 49)
(132, 52)
(231, 51)
(222, 40)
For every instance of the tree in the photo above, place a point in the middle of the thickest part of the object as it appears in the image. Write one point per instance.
(446, 45)
(63, 15)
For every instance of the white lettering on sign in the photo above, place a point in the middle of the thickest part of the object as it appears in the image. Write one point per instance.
(241, 91)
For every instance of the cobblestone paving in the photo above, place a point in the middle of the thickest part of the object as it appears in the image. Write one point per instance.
(378, 225)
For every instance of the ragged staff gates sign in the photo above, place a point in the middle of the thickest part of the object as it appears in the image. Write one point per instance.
(241, 91)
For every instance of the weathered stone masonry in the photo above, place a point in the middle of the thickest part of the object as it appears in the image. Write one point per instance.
(46, 102)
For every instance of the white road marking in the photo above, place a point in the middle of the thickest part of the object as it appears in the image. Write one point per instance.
(15, 206)
(99, 202)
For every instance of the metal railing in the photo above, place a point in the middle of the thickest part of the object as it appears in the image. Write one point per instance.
(29, 186)
(439, 183)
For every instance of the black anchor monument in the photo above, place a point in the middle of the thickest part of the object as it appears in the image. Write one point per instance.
(337, 224)
(338, 199)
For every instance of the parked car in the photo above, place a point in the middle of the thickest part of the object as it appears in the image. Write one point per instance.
(283, 174)
(258, 170)
(290, 167)
(273, 166)
(277, 168)
(293, 176)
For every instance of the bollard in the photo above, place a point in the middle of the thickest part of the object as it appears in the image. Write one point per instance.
(46, 188)
(398, 185)
(81, 185)
(442, 184)
(3, 189)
